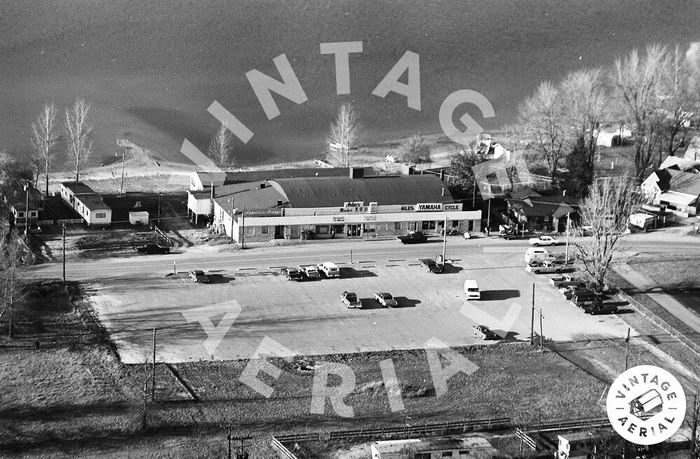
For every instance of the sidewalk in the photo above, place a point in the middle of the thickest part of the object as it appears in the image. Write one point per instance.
(653, 291)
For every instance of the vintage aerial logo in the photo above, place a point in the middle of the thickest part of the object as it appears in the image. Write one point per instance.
(646, 405)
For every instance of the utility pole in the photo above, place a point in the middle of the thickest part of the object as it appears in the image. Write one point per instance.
(26, 209)
(243, 228)
(488, 219)
(532, 317)
(694, 430)
(474, 193)
(541, 337)
(153, 369)
(64, 252)
(568, 221)
(444, 239)
(231, 219)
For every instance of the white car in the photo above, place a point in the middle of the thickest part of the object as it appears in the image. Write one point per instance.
(543, 240)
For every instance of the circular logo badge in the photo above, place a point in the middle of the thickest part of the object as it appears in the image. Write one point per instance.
(646, 405)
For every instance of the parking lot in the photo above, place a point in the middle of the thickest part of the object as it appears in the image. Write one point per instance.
(230, 317)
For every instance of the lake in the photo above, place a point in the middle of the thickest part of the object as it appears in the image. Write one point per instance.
(151, 69)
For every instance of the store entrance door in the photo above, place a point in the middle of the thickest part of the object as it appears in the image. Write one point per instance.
(352, 230)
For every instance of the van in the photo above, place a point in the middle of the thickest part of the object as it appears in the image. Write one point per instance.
(471, 290)
(329, 269)
(536, 254)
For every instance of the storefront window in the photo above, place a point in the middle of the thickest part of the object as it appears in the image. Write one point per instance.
(264, 230)
(322, 229)
(397, 226)
(429, 225)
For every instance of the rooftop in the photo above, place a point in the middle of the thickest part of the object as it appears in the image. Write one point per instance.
(78, 187)
(228, 178)
(385, 190)
(679, 181)
(92, 202)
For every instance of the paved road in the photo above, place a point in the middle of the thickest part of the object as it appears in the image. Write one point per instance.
(378, 251)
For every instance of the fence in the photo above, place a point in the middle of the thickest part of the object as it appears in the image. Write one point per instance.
(661, 323)
(282, 450)
(444, 428)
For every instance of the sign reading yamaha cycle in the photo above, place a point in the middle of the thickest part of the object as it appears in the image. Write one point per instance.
(646, 405)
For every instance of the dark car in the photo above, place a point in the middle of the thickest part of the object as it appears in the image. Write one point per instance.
(350, 300)
(433, 265)
(292, 274)
(153, 247)
(598, 307)
(484, 332)
(413, 237)
(198, 276)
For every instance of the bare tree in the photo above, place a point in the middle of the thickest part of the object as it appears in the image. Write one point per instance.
(585, 100)
(542, 121)
(78, 135)
(678, 102)
(344, 134)
(416, 150)
(221, 148)
(606, 210)
(639, 84)
(12, 289)
(44, 140)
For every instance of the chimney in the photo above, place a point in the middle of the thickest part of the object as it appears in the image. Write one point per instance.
(357, 172)
(262, 185)
(442, 175)
(443, 191)
(279, 202)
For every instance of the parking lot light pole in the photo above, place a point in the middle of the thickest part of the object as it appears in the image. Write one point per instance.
(568, 223)
(444, 239)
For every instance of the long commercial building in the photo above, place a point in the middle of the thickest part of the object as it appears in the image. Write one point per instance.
(333, 207)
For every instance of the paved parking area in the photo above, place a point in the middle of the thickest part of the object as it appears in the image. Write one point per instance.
(242, 309)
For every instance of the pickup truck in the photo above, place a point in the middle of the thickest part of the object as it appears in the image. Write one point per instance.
(310, 271)
(433, 265)
(350, 300)
(548, 267)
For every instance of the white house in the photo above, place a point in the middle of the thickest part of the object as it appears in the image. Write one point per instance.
(87, 203)
(677, 190)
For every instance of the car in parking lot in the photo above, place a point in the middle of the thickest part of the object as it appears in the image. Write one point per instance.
(385, 299)
(484, 332)
(329, 269)
(432, 265)
(543, 240)
(599, 307)
(292, 274)
(310, 271)
(350, 300)
(198, 276)
(413, 237)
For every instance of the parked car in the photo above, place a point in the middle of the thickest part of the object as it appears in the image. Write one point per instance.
(484, 332)
(198, 276)
(292, 274)
(413, 237)
(598, 307)
(310, 271)
(386, 300)
(329, 269)
(433, 265)
(153, 247)
(350, 300)
(543, 240)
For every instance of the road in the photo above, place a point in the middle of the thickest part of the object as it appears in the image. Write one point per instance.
(375, 251)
